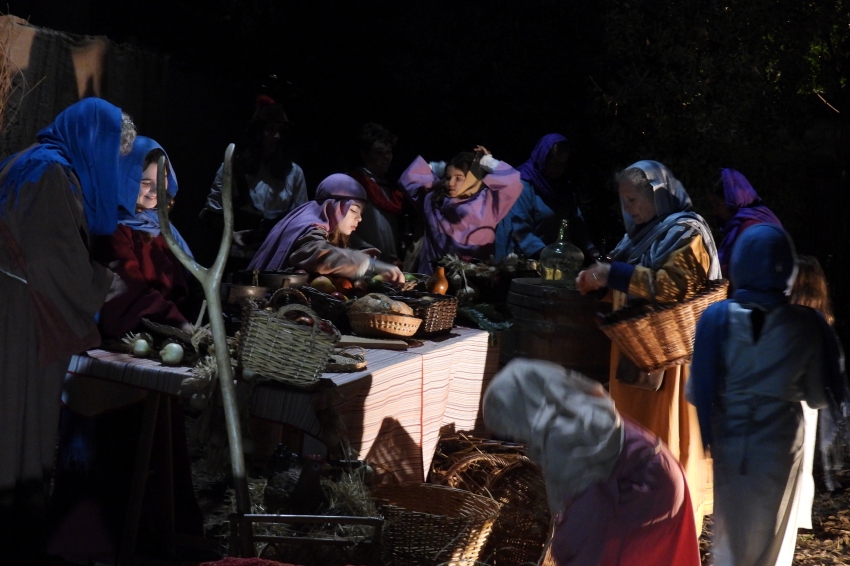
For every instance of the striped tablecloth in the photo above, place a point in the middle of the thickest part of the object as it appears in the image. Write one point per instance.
(394, 411)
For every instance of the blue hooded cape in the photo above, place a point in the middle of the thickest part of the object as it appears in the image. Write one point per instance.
(85, 140)
(763, 269)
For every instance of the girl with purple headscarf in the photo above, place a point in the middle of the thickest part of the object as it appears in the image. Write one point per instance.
(462, 202)
(314, 236)
(739, 208)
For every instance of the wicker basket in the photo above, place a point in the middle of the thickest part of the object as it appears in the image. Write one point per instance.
(328, 307)
(437, 311)
(281, 349)
(383, 325)
(522, 527)
(426, 524)
(658, 337)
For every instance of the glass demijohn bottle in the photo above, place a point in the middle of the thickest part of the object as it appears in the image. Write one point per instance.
(561, 261)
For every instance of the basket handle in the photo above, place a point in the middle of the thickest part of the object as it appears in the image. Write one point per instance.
(304, 309)
(285, 291)
(652, 296)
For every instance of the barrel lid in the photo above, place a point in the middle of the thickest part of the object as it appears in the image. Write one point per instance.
(534, 286)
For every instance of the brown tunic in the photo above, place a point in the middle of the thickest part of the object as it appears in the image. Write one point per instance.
(313, 253)
(50, 291)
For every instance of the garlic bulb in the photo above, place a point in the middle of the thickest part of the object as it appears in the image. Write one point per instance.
(172, 354)
(141, 348)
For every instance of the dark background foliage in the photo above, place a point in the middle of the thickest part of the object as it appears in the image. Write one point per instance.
(756, 85)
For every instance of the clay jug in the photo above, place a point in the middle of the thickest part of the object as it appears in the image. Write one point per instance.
(438, 283)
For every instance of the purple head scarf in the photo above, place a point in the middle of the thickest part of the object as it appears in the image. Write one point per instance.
(334, 196)
(739, 194)
(532, 170)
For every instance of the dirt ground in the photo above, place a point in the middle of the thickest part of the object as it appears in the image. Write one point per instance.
(828, 542)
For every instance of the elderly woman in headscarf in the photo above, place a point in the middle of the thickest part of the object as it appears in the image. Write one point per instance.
(462, 202)
(738, 208)
(314, 236)
(666, 256)
(53, 197)
(530, 225)
(156, 281)
(618, 495)
(756, 357)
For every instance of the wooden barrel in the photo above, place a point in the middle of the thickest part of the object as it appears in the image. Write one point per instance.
(559, 325)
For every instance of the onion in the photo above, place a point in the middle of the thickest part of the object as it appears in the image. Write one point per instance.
(172, 354)
(141, 348)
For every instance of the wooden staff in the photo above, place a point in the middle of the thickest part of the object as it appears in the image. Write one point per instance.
(211, 282)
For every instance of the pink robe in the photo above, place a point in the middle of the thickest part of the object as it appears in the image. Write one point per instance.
(640, 515)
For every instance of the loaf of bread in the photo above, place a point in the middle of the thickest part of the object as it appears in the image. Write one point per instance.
(377, 303)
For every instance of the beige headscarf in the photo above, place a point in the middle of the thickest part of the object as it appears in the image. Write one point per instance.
(568, 422)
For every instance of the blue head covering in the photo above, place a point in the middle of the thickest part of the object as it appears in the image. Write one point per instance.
(532, 170)
(84, 139)
(130, 170)
(763, 266)
(674, 224)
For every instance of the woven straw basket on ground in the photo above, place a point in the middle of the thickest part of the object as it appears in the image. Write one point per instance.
(658, 337)
(426, 524)
(520, 531)
(284, 350)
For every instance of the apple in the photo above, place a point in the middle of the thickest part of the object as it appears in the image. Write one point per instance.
(339, 296)
(323, 284)
(342, 284)
(360, 287)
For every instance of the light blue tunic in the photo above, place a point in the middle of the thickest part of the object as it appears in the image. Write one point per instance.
(759, 430)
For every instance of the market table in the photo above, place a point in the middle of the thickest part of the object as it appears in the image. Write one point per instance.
(394, 410)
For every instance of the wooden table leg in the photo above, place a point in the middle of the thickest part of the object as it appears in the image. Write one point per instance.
(140, 475)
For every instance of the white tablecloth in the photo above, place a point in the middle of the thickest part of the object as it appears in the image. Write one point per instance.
(394, 411)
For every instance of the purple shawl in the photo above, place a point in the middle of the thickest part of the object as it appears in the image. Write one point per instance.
(334, 196)
(532, 170)
(464, 227)
(739, 194)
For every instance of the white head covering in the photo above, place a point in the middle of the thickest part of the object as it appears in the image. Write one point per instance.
(568, 422)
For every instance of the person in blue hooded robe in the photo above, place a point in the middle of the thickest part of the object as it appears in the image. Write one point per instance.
(156, 282)
(54, 196)
(530, 225)
(756, 357)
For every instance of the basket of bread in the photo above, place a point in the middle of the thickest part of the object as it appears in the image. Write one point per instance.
(379, 316)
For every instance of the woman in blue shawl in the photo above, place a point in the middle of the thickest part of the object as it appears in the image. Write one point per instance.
(530, 225)
(756, 357)
(53, 196)
(156, 281)
(666, 256)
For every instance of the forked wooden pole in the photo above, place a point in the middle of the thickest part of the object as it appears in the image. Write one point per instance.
(211, 281)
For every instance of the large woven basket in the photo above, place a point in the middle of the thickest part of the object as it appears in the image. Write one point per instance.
(283, 350)
(522, 527)
(383, 325)
(658, 337)
(437, 312)
(426, 524)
